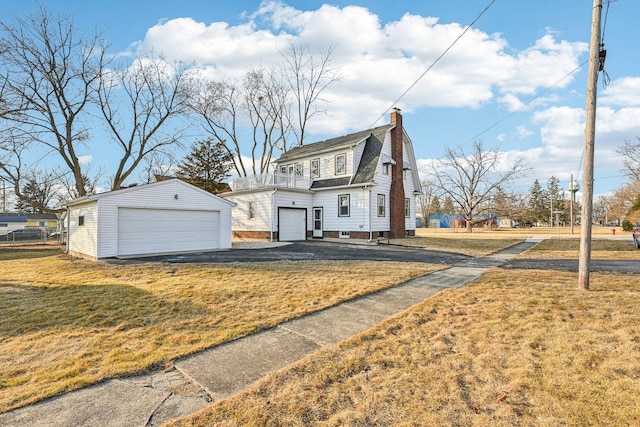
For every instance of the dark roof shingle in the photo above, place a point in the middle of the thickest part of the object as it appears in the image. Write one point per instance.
(330, 144)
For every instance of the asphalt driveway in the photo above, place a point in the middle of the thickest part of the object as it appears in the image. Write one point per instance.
(307, 250)
(331, 250)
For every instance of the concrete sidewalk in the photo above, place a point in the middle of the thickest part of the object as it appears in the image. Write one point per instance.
(227, 369)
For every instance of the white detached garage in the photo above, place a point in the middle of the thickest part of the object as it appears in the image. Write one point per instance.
(163, 217)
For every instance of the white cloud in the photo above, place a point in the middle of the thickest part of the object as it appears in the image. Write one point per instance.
(623, 92)
(85, 160)
(377, 62)
(523, 132)
(546, 63)
(512, 102)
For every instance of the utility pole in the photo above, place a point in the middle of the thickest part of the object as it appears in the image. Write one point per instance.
(589, 140)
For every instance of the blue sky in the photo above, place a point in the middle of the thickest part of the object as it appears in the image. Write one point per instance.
(516, 51)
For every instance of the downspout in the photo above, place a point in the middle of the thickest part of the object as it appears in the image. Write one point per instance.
(369, 209)
(68, 227)
(273, 215)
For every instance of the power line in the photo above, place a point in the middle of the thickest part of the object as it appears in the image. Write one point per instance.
(432, 64)
(522, 107)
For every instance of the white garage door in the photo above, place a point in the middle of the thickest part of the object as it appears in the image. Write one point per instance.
(292, 224)
(152, 231)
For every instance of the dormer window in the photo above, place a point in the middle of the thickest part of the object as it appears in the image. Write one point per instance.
(341, 164)
(315, 168)
(386, 163)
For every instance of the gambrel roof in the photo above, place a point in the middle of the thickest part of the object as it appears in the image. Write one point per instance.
(366, 169)
(332, 144)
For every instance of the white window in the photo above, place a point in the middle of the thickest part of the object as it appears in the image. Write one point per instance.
(341, 164)
(315, 168)
(343, 205)
(252, 210)
(299, 170)
(385, 168)
(283, 170)
(407, 208)
(381, 203)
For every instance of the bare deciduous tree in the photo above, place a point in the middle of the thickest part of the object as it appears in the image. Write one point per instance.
(159, 163)
(425, 201)
(259, 115)
(257, 106)
(138, 103)
(308, 75)
(47, 73)
(630, 158)
(470, 179)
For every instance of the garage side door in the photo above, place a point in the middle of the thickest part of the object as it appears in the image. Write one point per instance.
(153, 231)
(292, 224)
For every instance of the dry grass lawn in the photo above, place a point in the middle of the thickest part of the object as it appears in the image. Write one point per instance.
(510, 350)
(67, 323)
(8, 253)
(562, 248)
(473, 244)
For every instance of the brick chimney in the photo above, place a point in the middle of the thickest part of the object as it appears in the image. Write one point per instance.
(396, 197)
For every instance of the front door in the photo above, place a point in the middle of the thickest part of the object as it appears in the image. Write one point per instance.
(317, 222)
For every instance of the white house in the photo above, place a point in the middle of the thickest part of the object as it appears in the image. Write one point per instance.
(163, 217)
(10, 222)
(363, 185)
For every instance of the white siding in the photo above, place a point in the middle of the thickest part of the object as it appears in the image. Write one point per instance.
(293, 199)
(99, 236)
(83, 239)
(11, 226)
(358, 219)
(409, 187)
(161, 195)
(240, 214)
(383, 187)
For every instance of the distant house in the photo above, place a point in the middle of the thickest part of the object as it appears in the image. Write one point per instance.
(458, 221)
(10, 222)
(446, 221)
(169, 216)
(44, 221)
(362, 185)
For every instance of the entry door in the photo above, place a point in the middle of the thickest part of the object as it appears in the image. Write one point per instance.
(317, 222)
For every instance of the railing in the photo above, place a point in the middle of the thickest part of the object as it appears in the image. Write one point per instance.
(270, 180)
